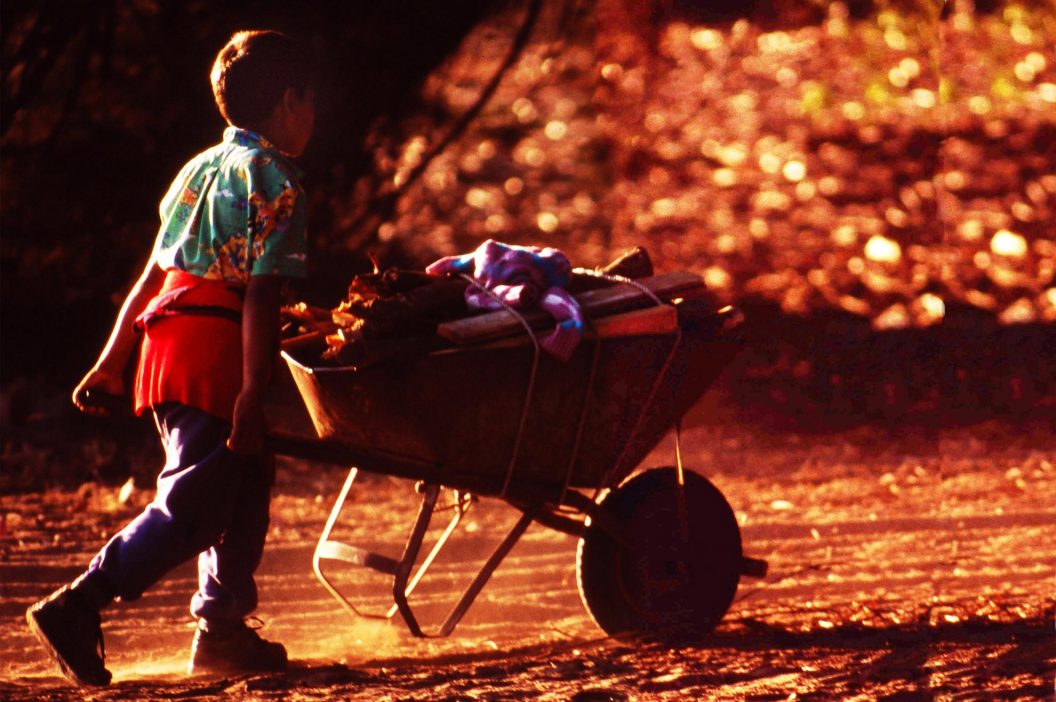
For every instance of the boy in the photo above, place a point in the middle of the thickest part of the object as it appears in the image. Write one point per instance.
(207, 307)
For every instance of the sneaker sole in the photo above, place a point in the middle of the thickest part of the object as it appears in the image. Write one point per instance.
(53, 653)
(223, 667)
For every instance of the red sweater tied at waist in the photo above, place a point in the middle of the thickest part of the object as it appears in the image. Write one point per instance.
(191, 350)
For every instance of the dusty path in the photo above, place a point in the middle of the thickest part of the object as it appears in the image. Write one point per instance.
(903, 566)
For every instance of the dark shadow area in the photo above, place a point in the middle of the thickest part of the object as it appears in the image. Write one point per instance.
(102, 103)
(832, 371)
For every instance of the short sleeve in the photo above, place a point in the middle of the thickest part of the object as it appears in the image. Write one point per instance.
(175, 211)
(277, 226)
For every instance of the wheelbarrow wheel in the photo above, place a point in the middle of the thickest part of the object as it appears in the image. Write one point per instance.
(641, 571)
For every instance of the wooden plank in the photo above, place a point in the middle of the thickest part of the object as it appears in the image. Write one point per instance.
(659, 319)
(593, 303)
(301, 340)
(656, 320)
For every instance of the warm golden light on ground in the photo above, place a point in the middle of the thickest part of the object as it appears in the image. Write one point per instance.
(770, 163)
(923, 98)
(883, 250)
(1019, 312)
(715, 277)
(513, 186)
(898, 77)
(478, 198)
(929, 309)
(1006, 243)
(706, 39)
(548, 222)
(1021, 34)
(725, 177)
(794, 171)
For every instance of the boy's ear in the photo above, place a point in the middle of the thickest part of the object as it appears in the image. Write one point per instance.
(289, 99)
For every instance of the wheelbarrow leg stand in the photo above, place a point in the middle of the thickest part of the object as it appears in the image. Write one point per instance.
(403, 584)
(329, 549)
(401, 577)
(334, 550)
(399, 592)
(401, 589)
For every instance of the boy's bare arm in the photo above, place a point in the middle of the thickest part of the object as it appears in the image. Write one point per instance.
(106, 374)
(260, 338)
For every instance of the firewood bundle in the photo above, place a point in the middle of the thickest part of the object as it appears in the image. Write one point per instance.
(389, 312)
(383, 313)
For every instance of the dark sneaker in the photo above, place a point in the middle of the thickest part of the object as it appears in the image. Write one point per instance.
(234, 647)
(70, 632)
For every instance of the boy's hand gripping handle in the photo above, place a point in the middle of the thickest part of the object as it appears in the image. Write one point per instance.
(102, 403)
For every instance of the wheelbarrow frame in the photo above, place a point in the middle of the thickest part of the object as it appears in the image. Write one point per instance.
(563, 507)
(405, 578)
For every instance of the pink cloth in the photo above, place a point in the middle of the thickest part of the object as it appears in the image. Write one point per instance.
(523, 277)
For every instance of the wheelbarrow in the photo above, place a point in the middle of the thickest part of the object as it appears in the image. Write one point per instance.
(556, 440)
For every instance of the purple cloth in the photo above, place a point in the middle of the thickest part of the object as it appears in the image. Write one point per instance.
(210, 503)
(523, 277)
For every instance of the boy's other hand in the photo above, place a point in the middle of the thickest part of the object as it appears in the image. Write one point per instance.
(98, 383)
(248, 426)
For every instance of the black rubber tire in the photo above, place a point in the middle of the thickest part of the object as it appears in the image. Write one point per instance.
(655, 582)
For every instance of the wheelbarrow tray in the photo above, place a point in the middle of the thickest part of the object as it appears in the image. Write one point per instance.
(457, 413)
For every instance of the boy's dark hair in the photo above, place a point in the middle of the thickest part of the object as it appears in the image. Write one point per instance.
(252, 73)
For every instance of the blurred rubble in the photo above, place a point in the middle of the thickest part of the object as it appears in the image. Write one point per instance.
(884, 167)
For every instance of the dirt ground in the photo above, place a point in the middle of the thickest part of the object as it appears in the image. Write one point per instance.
(904, 564)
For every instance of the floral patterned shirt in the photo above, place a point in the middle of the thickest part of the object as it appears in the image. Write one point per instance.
(234, 211)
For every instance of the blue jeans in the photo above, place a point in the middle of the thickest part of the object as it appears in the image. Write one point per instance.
(211, 503)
